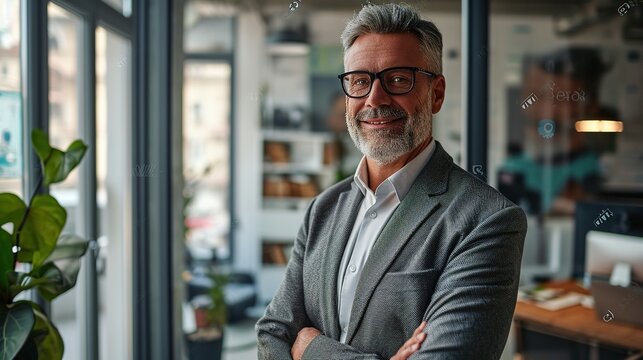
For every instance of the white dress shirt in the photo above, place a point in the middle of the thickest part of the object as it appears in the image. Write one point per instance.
(374, 212)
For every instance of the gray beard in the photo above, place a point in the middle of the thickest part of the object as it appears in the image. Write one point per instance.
(386, 146)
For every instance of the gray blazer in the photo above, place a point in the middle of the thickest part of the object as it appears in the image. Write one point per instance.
(450, 254)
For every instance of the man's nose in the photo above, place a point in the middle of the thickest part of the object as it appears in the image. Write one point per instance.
(378, 97)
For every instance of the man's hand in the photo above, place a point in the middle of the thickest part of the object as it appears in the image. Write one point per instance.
(304, 337)
(411, 345)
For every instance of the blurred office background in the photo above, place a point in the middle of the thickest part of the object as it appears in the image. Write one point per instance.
(212, 124)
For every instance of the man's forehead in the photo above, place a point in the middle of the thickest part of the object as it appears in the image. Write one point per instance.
(378, 51)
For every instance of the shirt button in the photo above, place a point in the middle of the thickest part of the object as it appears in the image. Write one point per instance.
(373, 214)
(352, 268)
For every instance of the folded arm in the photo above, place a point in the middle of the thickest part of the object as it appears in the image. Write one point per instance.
(286, 313)
(474, 299)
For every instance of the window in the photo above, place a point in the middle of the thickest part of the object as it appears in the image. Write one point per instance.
(206, 130)
(206, 160)
(65, 99)
(123, 6)
(11, 126)
(114, 172)
(70, 117)
(546, 77)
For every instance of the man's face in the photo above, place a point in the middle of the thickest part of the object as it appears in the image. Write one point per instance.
(384, 127)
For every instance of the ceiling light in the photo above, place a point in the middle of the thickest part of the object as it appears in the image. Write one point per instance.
(599, 126)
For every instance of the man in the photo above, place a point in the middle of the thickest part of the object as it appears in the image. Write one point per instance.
(411, 239)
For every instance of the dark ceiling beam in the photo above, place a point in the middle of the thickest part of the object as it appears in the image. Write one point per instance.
(509, 7)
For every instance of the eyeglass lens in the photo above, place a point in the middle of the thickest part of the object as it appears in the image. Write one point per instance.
(394, 81)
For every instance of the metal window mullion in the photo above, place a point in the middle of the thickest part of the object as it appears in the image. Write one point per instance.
(475, 79)
(212, 57)
(231, 147)
(114, 21)
(35, 93)
(104, 13)
(88, 185)
(140, 285)
(35, 80)
(160, 200)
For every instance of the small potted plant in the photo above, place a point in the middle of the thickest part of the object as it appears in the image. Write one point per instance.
(30, 234)
(210, 314)
(208, 302)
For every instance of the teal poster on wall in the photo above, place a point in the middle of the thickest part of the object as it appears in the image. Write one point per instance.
(10, 135)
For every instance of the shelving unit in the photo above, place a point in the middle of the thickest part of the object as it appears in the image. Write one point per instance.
(297, 165)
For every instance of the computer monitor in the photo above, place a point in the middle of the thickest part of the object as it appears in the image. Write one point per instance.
(615, 267)
(624, 218)
(605, 250)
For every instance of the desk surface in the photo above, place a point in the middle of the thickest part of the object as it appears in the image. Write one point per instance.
(579, 322)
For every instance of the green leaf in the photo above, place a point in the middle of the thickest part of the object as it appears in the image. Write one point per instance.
(48, 340)
(16, 322)
(44, 223)
(54, 281)
(6, 263)
(62, 267)
(57, 164)
(20, 281)
(40, 143)
(12, 210)
(60, 272)
(217, 313)
(25, 256)
(69, 246)
(29, 350)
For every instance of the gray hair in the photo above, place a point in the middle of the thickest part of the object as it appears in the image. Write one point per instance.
(392, 19)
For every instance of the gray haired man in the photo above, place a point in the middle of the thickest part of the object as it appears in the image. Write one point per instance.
(411, 239)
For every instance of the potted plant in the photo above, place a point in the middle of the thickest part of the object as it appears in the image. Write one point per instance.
(30, 234)
(210, 314)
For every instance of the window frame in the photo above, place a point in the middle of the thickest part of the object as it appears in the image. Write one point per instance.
(229, 59)
(34, 58)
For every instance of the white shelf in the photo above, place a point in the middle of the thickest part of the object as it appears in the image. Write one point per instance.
(280, 224)
(270, 278)
(281, 203)
(295, 136)
(281, 217)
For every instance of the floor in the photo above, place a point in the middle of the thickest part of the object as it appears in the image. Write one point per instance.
(240, 341)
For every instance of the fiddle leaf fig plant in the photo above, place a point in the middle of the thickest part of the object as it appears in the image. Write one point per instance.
(30, 233)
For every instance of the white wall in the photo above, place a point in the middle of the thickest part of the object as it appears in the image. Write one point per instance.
(248, 152)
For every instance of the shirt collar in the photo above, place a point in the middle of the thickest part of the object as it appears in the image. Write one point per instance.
(401, 180)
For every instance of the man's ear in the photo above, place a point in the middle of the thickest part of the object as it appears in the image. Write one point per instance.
(438, 89)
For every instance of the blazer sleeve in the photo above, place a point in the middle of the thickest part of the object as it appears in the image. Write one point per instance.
(323, 347)
(471, 309)
(286, 313)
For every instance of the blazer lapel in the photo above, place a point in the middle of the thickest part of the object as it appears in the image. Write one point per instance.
(415, 209)
(345, 213)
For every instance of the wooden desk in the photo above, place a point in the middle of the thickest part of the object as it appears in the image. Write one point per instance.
(576, 323)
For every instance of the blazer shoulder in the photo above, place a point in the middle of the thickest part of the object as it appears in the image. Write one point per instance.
(481, 194)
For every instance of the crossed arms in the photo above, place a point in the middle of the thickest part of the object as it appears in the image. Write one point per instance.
(469, 314)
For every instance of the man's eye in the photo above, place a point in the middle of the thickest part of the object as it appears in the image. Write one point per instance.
(399, 79)
(360, 81)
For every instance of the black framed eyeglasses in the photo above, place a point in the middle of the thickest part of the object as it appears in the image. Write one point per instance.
(395, 81)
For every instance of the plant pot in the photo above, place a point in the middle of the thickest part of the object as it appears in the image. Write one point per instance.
(205, 345)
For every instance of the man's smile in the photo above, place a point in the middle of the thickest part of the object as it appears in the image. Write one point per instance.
(380, 122)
